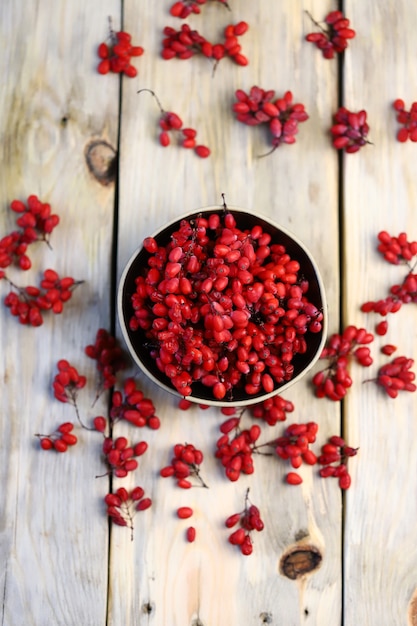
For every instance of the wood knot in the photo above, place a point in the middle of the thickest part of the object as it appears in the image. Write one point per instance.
(412, 610)
(266, 618)
(101, 160)
(147, 608)
(299, 561)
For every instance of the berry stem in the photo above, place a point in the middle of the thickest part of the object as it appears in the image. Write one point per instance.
(323, 30)
(162, 110)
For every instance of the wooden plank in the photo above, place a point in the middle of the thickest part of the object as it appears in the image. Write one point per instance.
(54, 534)
(380, 194)
(159, 578)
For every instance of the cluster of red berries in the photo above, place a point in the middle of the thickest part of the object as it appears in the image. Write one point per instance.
(224, 307)
(398, 249)
(109, 358)
(334, 457)
(183, 8)
(185, 465)
(119, 455)
(334, 381)
(408, 119)
(248, 520)
(123, 504)
(29, 303)
(334, 37)
(350, 130)
(60, 439)
(170, 122)
(186, 43)
(132, 406)
(67, 382)
(235, 451)
(272, 410)
(282, 115)
(293, 446)
(396, 376)
(116, 56)
(35, 222)
(395, 250)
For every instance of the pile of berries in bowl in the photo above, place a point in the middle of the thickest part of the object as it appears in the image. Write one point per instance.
(223, 307)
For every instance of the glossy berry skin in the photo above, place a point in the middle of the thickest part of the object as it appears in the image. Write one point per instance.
(185, 466)
(60, 439)
(122, 506)
(214, 310)
(281, 115)
(186, 42)
(243, 524)
(341, 349)
(334, 36)
(350, 130)
(116, 56)
(407, 119)
(171, 127)
(397, 376)
(334, 458)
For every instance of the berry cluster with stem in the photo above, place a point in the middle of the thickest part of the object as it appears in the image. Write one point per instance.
(396, 376)
(36, 223)
(396, 250)
(186, 43)
(334, 381)
(122, 506)
(60, 439)
(247, 521)
(120, 455)
(293, 446)
(281, 115)
(236, 446)
(117, 53)
(66, 385)
(350, 130)
(334, 460)
(170, 123)
(185, 466)
(131, 405)
(333, 37)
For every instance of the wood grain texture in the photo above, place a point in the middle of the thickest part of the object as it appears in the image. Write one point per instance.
(207, 582)
(61, 125)
(380, 194)
(54, 537)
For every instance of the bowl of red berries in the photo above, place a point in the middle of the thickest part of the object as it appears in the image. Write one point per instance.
(223, 307)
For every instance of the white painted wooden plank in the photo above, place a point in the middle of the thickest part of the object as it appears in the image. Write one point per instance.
(208, 582)
(54, 535)
(380, 194)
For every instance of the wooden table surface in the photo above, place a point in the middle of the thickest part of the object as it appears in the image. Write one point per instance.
(62, 564)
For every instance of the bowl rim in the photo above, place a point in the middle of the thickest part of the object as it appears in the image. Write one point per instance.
(222, 403)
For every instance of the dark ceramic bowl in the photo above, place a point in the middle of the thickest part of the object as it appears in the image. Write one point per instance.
(136, 340)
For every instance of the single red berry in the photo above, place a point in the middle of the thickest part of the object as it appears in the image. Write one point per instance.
(184, 512)
(293, 479)
(191, 534)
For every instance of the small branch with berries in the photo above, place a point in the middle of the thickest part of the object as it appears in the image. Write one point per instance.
(281, 115)
(170, 124)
